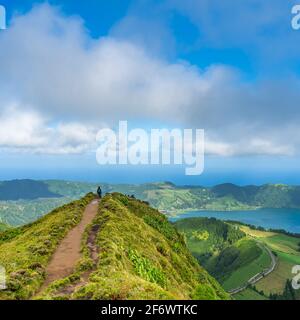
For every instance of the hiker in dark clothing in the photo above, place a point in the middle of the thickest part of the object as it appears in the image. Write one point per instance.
(99, 192)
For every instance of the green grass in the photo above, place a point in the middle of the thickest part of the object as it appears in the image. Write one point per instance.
(145, 269)
(250, 266)
(290, 258)
(249, 294)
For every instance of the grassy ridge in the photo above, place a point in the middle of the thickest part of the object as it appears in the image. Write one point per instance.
(142, 256)
(25, 251)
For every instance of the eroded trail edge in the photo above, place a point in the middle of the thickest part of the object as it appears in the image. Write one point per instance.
(67, 254)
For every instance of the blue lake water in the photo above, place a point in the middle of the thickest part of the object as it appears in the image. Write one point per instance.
(287, 219)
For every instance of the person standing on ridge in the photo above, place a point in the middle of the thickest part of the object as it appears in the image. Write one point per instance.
(99, 192)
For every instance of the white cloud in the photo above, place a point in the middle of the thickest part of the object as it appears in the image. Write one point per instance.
(67, 84)
(254, 146)
(218, 148)
(21, 129)
(29, 132)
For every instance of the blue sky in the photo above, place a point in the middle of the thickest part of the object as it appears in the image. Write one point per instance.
(201, 32)
(231, 68)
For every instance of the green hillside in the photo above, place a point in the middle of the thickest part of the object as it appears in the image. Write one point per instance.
(224, 250)
(205, 236)
(142, 256)
(238, 263)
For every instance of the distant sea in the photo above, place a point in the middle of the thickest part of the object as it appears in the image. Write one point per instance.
(287, 219)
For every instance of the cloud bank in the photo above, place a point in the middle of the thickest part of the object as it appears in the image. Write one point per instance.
(58, 86)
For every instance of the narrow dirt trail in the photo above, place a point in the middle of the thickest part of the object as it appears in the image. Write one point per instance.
(68, 253)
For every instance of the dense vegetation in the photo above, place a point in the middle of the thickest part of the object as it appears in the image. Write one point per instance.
(205, 236)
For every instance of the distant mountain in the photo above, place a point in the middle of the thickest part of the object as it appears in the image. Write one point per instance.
(266, 196)
(23, 201)
(25, 189)
(243, 194)
(223, 197)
